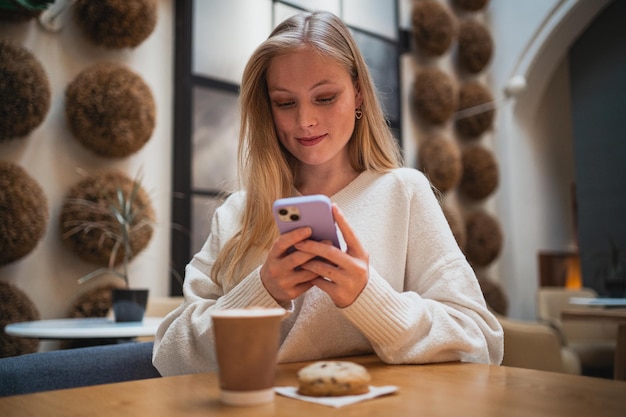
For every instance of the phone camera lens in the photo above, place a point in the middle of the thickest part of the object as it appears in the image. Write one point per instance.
(294, 217)
(283, 212)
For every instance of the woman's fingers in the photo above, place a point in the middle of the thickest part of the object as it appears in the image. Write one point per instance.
(295, 263)
(281, 273)
(353, 244)
(287, 240)
(345, 273)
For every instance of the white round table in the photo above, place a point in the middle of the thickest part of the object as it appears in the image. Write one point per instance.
(84, 328)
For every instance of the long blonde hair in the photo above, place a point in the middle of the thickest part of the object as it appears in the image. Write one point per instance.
(266, 168)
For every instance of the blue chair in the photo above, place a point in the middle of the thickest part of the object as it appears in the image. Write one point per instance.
(59, 369)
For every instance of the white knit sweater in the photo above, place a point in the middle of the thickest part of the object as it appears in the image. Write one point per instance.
(422, 302)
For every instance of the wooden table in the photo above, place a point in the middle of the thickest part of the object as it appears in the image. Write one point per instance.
(451, 389)
(606, 314)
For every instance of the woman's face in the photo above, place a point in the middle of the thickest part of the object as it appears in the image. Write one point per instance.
(313, 100)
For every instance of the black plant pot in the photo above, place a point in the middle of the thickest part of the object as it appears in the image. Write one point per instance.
(129, 304)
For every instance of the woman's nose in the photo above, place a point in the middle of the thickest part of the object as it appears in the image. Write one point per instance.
(306, 116)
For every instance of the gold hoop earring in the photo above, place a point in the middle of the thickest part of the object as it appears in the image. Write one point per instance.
(358, 114)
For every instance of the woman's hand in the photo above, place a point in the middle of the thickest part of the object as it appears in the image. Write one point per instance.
(346, 273)
(281, 273)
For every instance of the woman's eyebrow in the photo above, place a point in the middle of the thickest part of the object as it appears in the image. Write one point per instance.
(313, 87)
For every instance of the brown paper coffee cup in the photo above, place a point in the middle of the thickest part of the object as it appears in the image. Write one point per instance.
(246, 345)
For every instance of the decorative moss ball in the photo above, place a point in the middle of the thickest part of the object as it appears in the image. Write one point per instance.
(23, 213)
(494, 295)
(434, 27)
(15, 307)
(88, 224)
(24, 91)
(471, 5)
(95, 302)
(434, 95)
(480, 173)
(116, 24)
(110, 110)
(440, 159)
(471, 95)
(475, 46)
(484, 239)
(457, 225)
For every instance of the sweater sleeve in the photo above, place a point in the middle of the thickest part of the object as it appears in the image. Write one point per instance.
(440, 315)
(184, 341)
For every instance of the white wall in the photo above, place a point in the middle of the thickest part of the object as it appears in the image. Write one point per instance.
(531, 138)
(53, 157)
(532, 135)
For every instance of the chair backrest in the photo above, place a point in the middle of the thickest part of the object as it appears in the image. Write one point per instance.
(531, 345)
(552, 300)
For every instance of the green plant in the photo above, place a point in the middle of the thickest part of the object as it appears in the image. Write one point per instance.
(108, 218)
(25, 4)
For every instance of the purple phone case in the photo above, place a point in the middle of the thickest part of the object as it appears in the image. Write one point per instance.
(311, 210)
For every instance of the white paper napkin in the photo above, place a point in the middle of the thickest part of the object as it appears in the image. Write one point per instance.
(337, 402)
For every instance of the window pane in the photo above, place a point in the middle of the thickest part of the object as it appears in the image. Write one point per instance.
(225, 33)
(215, 137)
(382, 59)
(377, 16)
(332, 6)
(282, 12)
(202, 209)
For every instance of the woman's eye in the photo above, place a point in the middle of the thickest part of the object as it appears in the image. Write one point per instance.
(326, 100)
(283, 104)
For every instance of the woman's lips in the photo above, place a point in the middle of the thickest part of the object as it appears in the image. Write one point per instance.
(311, 140)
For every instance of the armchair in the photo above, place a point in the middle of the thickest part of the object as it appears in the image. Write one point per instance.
(535, 345)
(593, 342)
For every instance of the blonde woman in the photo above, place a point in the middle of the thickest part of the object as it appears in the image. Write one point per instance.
(399, 286)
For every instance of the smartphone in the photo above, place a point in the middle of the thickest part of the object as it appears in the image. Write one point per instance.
(314, 211)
